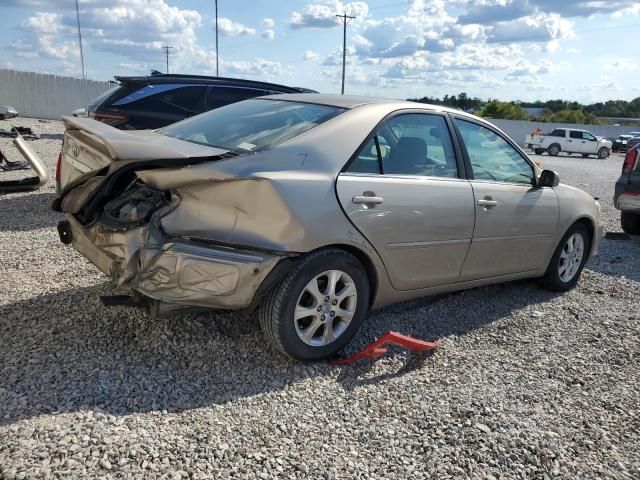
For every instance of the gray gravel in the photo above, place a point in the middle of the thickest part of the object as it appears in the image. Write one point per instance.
(527, 383)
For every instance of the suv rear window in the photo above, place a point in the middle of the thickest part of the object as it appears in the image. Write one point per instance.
(251, 125)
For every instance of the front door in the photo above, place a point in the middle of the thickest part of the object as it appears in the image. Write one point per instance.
(515, 220)
(403, 192)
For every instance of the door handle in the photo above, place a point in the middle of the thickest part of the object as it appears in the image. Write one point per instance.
(487, 202)
(367, 199)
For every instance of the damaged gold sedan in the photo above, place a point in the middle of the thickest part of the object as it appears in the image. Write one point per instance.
(316, 209)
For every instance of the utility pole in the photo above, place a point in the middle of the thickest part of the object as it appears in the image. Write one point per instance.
(344, 19)
(84, 75)
(166, 51)
(217, 70)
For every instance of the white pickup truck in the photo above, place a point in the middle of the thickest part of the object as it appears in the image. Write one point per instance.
(571, 141)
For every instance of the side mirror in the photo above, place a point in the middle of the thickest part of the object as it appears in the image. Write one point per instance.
(549, 178)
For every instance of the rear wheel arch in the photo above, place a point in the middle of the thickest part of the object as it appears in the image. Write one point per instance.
(365, 261)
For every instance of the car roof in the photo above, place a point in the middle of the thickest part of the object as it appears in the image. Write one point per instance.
(352, 101)
(204, 79)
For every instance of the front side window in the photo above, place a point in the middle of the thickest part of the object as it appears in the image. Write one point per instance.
(409, 144)
(251, 125)
(492, 157)
(588, 136)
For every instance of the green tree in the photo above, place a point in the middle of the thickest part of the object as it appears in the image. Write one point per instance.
(504, 110)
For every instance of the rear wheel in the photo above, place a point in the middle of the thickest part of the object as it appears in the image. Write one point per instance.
(554, 150)
(539, 151)
(318, 307)
(603, 153)
(630, 222)
(568, 260)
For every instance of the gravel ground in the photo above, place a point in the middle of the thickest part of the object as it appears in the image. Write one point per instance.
(527, 383)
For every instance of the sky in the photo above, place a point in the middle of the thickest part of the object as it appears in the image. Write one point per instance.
(583, 50)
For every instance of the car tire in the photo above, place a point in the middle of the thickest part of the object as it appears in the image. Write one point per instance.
(305, 338)
(630, 223)
(565, 267)
(539, 151)
(603, 153)
(554, 150)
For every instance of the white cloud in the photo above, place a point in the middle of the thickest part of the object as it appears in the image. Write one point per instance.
(323, 15)
(268, 34)
(538, 28)
(229, 28)
(259, 67)
(268, 23)
(311, 55)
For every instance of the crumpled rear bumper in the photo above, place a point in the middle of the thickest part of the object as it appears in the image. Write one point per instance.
(173, 270)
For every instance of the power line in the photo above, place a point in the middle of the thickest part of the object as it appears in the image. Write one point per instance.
(344, 18)
(84, 75)
(217, 67)
(167, 49)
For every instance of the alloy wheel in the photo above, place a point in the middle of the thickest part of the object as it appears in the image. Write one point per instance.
(325, 308)
(571, 257)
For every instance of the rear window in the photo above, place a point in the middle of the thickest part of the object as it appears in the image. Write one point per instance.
(251, 125)
(103, 96)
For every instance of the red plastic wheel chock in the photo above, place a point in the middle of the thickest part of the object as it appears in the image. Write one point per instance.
(376, 348)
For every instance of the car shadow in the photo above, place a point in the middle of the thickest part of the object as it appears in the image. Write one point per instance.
(27, 211)
(618, 256)
(439, 317)
(68, 352)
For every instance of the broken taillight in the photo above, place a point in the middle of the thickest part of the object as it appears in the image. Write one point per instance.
(58, 165)
(630, 161)
(108, 118)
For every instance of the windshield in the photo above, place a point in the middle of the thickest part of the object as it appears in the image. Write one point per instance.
(251, 125)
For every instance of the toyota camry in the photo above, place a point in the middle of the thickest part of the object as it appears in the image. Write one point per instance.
(315, 209)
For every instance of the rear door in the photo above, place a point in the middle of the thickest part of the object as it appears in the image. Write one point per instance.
(405, 192)
(515, 220)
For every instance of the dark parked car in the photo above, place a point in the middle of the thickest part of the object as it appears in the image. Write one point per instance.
(627, 196)
(154, 101)
(620, 143)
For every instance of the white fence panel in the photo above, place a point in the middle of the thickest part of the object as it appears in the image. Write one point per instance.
(46, 96)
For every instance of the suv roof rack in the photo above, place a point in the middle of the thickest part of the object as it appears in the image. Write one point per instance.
(172, 77)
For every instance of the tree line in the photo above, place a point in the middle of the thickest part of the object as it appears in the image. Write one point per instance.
(559, 111)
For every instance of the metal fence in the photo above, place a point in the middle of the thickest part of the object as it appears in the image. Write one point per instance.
(518, 129)
(46, 96)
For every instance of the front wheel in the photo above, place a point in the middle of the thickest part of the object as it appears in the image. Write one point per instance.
(603, 153)
(568, 260)
(318, 307)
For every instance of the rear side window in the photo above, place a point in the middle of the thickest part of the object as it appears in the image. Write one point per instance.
(221, 96)
(409, 144)
(252, 125)
(164, 98)
(574, 134)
